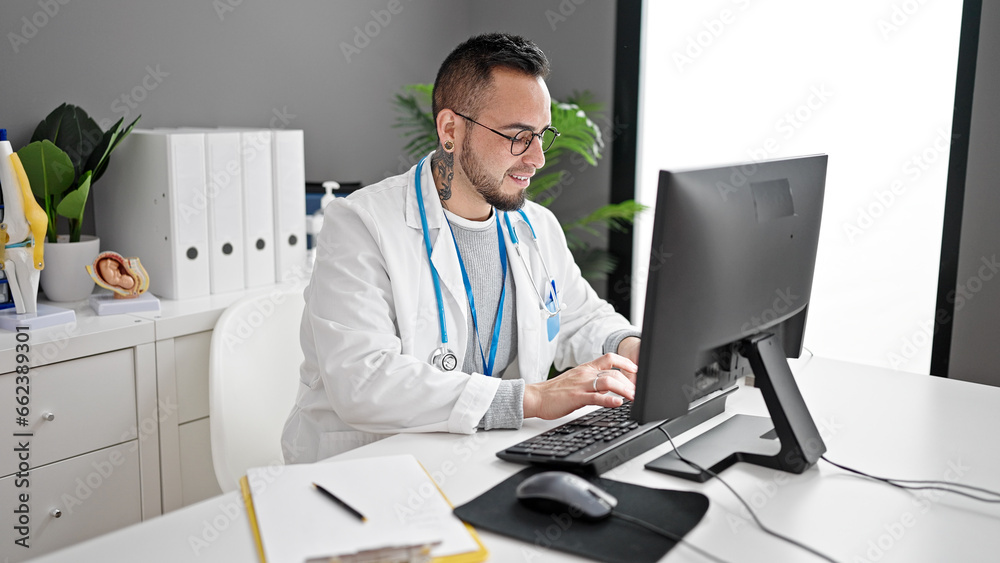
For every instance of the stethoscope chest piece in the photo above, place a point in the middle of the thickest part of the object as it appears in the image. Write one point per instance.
(444, 359)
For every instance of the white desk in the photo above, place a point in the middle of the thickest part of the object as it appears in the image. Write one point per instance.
(889, 423)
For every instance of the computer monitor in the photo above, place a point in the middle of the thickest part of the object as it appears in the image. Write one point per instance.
(730, 273)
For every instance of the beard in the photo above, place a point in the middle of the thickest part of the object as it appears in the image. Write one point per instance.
(489, 187)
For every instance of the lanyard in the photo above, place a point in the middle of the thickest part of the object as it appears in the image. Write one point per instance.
(427, 243)
(487, 366)
(550, 305)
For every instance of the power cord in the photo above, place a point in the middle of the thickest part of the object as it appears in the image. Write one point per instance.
(665, 533)
(921, 484)
(745, 505)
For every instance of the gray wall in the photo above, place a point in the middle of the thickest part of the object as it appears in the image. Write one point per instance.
(975, 346)
(282, 64)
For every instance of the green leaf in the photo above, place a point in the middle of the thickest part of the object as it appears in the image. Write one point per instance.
(97, 156)
(585, 100)
(577, 133)
(49, 169)
(49, 127)
(594, 263)
(73, 131)
(73, 204)
(415, 118)
(545, 188)
(116, 138)
(616, 216)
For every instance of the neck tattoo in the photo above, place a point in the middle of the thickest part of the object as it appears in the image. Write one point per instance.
(444, 172)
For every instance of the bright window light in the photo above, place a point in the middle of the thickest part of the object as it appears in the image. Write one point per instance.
(872, 84)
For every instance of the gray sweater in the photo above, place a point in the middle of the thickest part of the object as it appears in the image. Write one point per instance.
(480, 248)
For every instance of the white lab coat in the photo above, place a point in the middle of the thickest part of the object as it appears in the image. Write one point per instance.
(371, 323)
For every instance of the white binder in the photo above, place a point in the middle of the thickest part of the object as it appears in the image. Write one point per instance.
(224, 190)
(258, 208)
(288, 154)
(151, 204)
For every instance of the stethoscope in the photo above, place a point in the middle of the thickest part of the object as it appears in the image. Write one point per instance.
(443, 357)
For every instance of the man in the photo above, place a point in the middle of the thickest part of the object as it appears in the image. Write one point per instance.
(424, 314)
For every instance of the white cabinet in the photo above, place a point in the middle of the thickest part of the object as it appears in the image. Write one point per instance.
(197, 472)
(69, 413)
(183, 335)
(182, 378)
(81, 455)
(70, 501)
(116, 422)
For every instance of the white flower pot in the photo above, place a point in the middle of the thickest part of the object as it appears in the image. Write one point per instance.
(65, 276)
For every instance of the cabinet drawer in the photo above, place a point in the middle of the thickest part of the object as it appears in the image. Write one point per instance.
(91, 401)
(197, 470)
(191, 362)
(96, 493)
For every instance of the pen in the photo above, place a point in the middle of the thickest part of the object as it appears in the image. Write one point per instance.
(334, 498)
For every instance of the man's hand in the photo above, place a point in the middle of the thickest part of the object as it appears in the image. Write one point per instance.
(630, 348)
(586, 384)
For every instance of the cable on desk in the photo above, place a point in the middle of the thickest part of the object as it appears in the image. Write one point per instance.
(665, 533)
(908, 484)
(753, 514)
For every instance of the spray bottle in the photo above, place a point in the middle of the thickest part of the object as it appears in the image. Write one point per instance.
(7, 179)
(314, 223)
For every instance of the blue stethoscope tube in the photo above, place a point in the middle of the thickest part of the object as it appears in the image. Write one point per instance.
(443, 357)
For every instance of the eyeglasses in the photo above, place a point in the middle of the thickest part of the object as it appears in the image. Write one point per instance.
(520, 143)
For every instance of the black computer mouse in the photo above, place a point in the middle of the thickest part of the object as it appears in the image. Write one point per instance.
(555, 492)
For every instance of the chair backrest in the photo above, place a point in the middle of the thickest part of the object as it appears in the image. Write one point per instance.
(253, 378)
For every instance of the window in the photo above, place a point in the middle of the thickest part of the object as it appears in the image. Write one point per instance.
(871, 83)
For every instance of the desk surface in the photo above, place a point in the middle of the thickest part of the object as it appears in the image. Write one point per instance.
(884, 422)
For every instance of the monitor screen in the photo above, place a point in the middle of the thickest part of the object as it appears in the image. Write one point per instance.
(732, 259)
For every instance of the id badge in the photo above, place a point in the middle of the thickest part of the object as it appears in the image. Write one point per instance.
(552, 323)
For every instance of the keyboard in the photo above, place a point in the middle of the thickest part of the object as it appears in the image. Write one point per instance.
(595, 442)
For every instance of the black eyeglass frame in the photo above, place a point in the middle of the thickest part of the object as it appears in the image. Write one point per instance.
(514, 140)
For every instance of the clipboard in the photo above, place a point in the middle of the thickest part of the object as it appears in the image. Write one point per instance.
(404, 506)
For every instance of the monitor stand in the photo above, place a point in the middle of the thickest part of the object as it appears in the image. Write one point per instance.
(788, 441)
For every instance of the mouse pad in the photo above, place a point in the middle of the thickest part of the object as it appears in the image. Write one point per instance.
(612, 539)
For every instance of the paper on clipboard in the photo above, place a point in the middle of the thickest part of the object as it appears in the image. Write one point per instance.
(401, 503)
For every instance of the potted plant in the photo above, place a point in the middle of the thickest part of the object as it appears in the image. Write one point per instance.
(578, 135)
(67, 154)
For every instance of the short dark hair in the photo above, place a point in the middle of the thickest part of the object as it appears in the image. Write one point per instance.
(465, 75)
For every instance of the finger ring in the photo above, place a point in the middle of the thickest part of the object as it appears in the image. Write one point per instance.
(595, 383)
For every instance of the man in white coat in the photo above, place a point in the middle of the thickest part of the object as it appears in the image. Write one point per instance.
(440, 298)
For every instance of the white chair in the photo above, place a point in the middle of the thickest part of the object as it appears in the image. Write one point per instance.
(253, 377)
